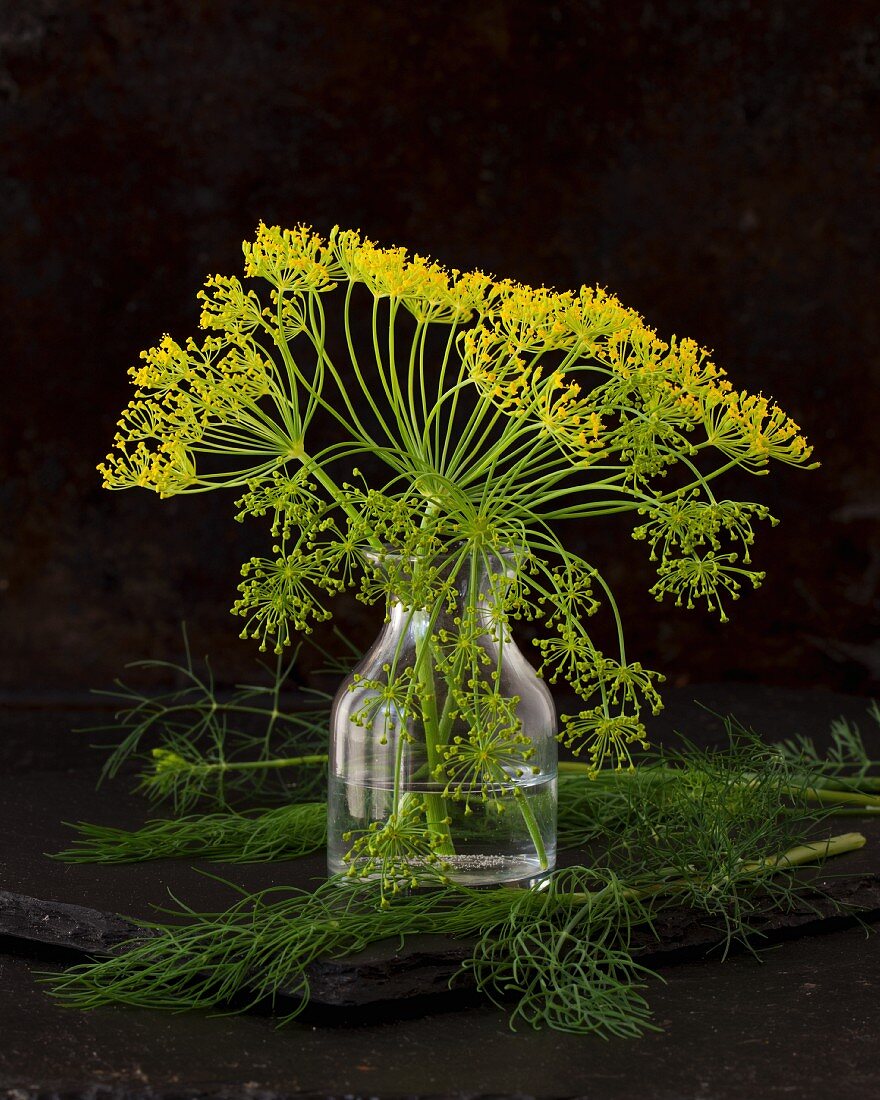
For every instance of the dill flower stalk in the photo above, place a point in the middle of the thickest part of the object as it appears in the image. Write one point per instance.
(486, 411)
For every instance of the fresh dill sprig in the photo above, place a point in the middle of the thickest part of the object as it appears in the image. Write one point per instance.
(265, 942)
(562, 956)
(845, 764)
(255, 836)
(184, 777)
(195, 746)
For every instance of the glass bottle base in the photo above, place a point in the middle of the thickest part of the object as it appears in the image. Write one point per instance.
(472, 871)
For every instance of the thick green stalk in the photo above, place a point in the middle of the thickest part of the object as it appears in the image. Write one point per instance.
(857, 783)
(809, 852)
(278, 762)
(849, 799)
(435, 803)
(797, 856)
(532, 826)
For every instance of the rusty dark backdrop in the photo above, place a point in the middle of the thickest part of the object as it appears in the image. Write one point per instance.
(715, 164)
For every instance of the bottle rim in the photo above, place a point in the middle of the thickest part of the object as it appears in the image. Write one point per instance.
(443, 556)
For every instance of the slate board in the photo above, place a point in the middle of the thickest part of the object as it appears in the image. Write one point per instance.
(425, 966)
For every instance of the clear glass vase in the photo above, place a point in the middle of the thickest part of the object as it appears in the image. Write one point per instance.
(443, 746)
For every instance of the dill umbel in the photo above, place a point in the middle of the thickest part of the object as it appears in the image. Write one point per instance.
(483, 411)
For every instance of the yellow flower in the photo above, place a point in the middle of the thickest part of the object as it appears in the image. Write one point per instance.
(290, 259)
(750, 428)
(166, 471)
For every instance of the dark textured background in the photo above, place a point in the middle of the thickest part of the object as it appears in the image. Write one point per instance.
(715, 164)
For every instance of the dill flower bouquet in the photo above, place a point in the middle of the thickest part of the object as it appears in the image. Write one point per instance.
(415, 434)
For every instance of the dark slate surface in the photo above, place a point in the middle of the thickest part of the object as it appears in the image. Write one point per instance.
(54, 924)
(802, 1022)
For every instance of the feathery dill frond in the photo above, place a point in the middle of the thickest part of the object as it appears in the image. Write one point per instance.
(265, 942)
(739, 787)
(845, 763)
(195, 746)
(562, 956)
(254, 836)
(737, 798)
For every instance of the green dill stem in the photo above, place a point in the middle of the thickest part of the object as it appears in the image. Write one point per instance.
(847, 811)
(435, 804)
(321, 476)
(445, 722)
(405, 414)
(793, 857)
(434, 413)
(411, 378)
(422, 337)
(282, 345)
(844, 799)
(574, 511)
(526, 810)
(355, 364)
(353, 426)
(856, 783)
(279, 762)
(532, 826)
(575, 767)
(383, 379)
(478, 419)
(808, 853)
(832, 797)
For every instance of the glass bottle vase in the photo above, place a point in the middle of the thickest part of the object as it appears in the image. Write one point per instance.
(443, 746)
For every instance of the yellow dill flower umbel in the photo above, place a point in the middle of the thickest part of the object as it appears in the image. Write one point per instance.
(496, 409)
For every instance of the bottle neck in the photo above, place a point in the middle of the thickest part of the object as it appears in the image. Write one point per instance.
(448, 596)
